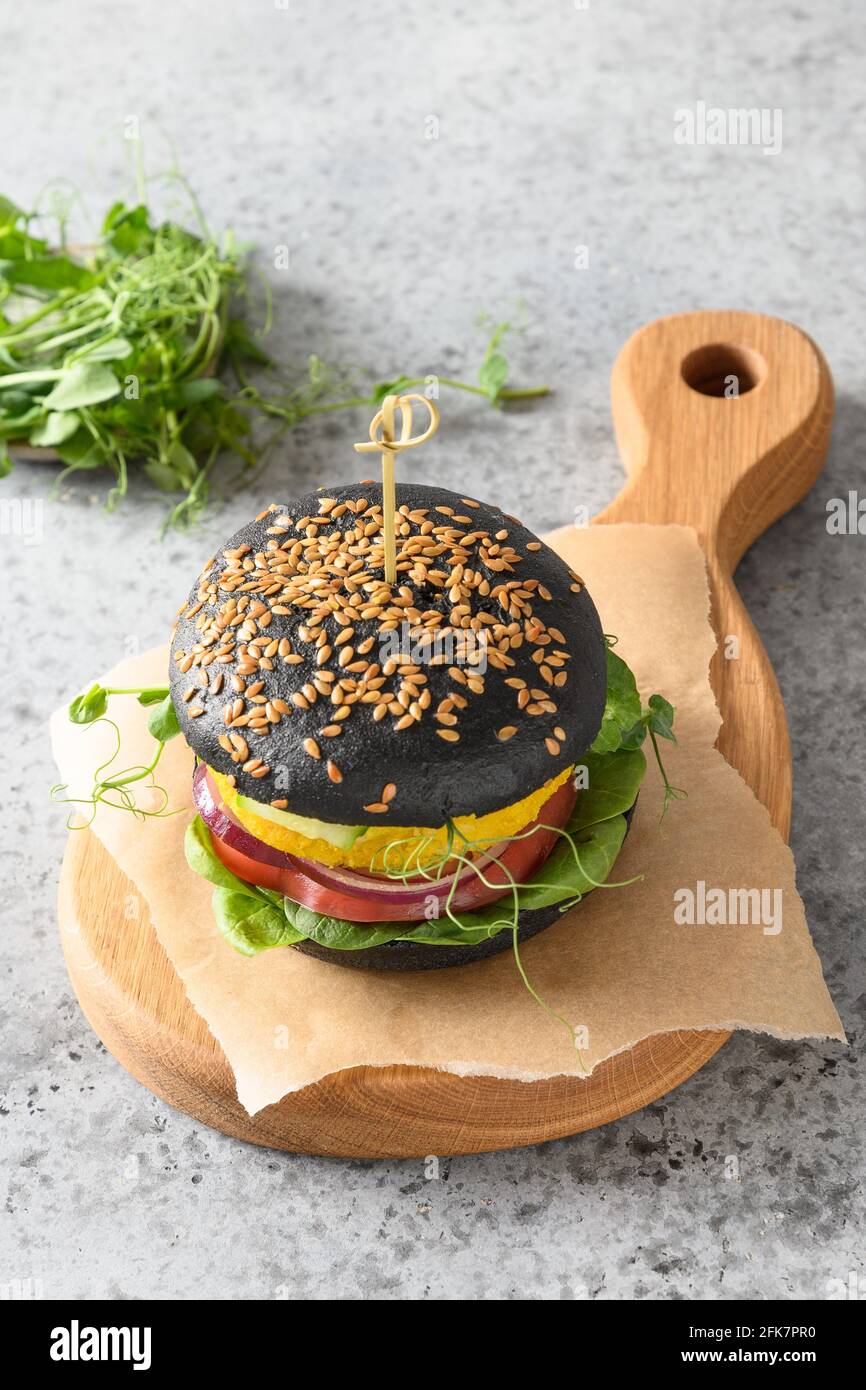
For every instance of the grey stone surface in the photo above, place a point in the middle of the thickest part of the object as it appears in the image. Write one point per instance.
(306, 126)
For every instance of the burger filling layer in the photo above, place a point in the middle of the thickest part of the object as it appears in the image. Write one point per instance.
(405, 874)
(363, 847)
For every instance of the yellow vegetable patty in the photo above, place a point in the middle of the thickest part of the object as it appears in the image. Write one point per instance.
(420, 847)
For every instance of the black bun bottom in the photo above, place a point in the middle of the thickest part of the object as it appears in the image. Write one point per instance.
(416, 955)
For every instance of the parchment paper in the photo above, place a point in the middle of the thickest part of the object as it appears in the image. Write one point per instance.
(618, 965)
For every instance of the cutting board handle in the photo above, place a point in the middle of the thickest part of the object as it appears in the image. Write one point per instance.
(723, 421)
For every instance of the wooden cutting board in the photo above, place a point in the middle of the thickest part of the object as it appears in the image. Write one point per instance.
(727, 464)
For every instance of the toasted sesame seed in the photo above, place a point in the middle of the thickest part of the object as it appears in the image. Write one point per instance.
(506, 732)
(376, 807)
(552, 746)
(333, 771)
(261, 771)
(311, 746)
(389, 791)
(450, 735)
(533, 545)
(331, 730)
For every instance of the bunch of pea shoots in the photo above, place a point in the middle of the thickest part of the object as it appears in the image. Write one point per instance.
(136, 352)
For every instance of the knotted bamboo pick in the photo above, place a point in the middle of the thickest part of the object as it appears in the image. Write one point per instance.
(388, 446)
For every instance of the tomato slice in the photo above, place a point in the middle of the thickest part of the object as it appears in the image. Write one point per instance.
(357, 896)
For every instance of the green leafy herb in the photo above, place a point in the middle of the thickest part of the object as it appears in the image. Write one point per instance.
(114, 788)
(55, 429)
(163, 721)
(251, 919)
(621, 706)
(138, 353)
(625, 724)
(84, 709)
(149, 695)
(85, 383)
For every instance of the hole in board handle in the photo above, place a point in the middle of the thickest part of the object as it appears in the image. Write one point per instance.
(720, 369)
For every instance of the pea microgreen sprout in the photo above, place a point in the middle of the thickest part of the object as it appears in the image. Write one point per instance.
(136, 353)
(113, 789)
(431, 872)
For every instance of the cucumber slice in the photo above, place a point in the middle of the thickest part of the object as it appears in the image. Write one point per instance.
(343, 836)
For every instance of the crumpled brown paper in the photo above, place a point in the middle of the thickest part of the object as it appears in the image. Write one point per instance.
(618, 965)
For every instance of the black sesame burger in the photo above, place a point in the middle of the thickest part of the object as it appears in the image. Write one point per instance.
(407, 774)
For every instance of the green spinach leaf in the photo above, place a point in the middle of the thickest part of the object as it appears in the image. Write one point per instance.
(621, 706)
(251, 924)
(250, 918)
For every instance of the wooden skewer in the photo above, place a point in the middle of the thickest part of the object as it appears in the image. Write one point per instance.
(389, 488)
(388, 445)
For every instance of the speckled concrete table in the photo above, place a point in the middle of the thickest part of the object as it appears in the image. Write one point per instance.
(308, 126)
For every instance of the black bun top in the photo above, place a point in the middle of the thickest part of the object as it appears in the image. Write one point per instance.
(298, 671)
